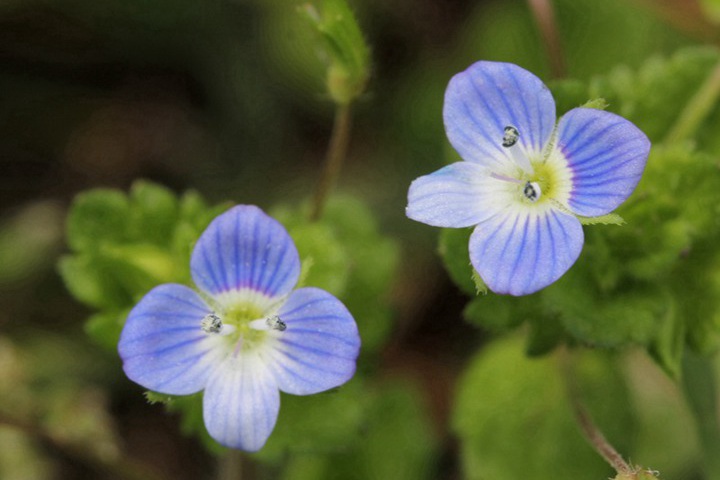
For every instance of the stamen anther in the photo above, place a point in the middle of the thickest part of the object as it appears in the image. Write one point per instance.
(510, 136)
(276, 323)
(211, 323)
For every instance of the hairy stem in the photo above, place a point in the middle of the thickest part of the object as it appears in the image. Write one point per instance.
(334, 158)
(592, 433)
(697, 109)
(121, 468)
(544, 15)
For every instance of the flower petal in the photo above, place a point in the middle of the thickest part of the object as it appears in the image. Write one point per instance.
(318, 349)
(241, 402)
(489, 96)
(458, 195)
(523, 250)
(245, 249)
(162, 344)
(607, 155)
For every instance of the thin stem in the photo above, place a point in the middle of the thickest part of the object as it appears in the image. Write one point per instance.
(545, 18)
(231, 466)
(697, 109)
(597, 439)
(334, 158)
(121, 468)
(592, 433)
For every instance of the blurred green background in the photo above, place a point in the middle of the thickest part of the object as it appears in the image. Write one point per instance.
(228, 98)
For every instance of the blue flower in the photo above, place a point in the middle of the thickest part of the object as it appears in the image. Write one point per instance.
(245, 336)
(524, 178)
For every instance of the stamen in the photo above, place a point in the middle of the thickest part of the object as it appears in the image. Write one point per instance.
(505, 178)
(510, 137)
(509, 141)
(270, 323)
(532, 191)
(211, 323)
(275, 323)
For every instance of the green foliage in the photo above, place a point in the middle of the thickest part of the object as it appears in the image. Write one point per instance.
(343, 42)
(453, 249)
(650, 277)
(514, 419)
(395, 442)
(349, 257)
(123, 245)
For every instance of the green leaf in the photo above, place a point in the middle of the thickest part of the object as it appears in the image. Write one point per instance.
(105, 327)
(397, 442)
(127, 245)
(597, 103)
(668, 346)
(326, 259)
(92, 281)
(627, 316)
(499, 313)
(453, 249)
(350, 258)
(343, 42)
(154, 212)
(514, 420)
(609, 219)
(96, 217)
(326, 423)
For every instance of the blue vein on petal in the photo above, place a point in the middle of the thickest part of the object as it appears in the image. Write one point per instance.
(221, 263)
(432, 194)
(255, 256)
(339, 338)
(548, 228)
(181, 300)
(296, 375)
(602, 182)
(305, 305)
(592, 137)
(511, 114)
(236, 256)
(533, 140)
(169, 347)
(313, 365)
(172, 315)
(181, 372)
(612, 166)
(272, 280)
(508, 108)
(209, 269)
(604, 161)
(316, 351)
(488, 108)
(521, 247)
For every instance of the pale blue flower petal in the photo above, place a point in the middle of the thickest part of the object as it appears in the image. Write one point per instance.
(607, 155)
(162, 345)
(458, 195)
(245, 249)
(523, 250)
(489, 96)
(319, 348)
(241, 402)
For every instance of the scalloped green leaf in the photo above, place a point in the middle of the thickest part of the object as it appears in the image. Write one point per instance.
(514, 420)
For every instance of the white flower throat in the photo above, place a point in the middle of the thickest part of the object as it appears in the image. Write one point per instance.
(530, 189)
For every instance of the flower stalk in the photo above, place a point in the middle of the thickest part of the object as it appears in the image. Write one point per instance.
(697, 109)
(337, 150)
(544, 15)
